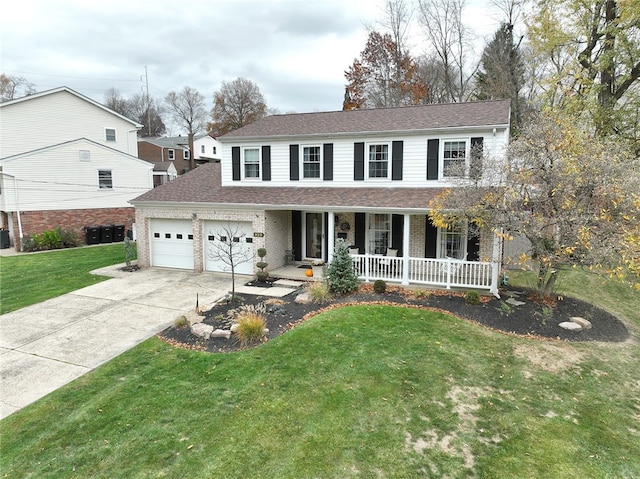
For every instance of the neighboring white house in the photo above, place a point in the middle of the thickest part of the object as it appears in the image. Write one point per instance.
(207, 148)
(68, 161)
(295, 184)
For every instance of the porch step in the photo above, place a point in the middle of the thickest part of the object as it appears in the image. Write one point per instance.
(289, 282)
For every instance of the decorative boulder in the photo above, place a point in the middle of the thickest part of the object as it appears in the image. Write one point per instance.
(585, 323)
(221, 333)
(569, 326)
(201, 330)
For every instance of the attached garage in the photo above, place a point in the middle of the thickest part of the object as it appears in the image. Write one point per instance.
(171, 243)
(217, 235)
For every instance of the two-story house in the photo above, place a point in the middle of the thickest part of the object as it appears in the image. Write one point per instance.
(295, 184)
(68, 161)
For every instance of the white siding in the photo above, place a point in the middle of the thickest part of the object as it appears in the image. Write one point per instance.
(414, 159)
(59, 117)
(55, 178)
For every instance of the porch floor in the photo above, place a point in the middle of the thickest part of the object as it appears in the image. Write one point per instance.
(292, 272)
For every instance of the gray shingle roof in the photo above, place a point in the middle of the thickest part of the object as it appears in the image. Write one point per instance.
(202, 186)
(413, 118)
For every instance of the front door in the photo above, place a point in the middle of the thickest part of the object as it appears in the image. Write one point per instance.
(314, 235)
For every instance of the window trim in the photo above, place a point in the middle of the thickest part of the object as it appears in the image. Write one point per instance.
(387, 144)
(319, 162)
(186, 154)
(171, 154)
(202, 149)
(442, 159)
(106, 134)
(104, 170)
(371, 234)
(258, 162)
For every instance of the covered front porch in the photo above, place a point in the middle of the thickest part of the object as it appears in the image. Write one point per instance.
(396, 247)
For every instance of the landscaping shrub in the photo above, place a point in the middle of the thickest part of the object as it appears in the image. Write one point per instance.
(341, 275)
(262, 275)
(472, 297)
(379, 286)
(251, 327)
(318, 291)
(421, 294)
(51, 239)
(69, 238)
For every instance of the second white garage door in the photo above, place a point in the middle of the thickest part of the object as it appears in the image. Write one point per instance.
(240, 233)
(172, 243)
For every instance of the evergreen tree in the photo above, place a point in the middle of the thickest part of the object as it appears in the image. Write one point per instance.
(341, 275)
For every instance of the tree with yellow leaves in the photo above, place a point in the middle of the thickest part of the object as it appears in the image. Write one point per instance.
(573, 195)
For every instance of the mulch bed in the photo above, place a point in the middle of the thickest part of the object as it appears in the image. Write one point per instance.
(533, 319)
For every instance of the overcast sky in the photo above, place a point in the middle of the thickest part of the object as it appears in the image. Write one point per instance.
(296, 51)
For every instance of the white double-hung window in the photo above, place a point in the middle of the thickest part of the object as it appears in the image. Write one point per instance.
(252, 163)
(378, 160)
(311, 162)
(454, 157)
(452, 242)
(379, 233)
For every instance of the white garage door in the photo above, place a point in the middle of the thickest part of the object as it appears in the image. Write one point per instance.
(219, 236)
(172, 243)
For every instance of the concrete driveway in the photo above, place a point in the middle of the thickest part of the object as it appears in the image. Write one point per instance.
(49, 344)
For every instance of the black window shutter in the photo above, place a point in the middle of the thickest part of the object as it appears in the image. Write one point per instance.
(396, 160)
(296, 234)
(430, 239)
(266, 163)
(473, 246)
(294, 167)
(475, 168)
(432, 160)
(235, 162)
(360, 232)
(358, 161)
(397, 230)
(327, 173)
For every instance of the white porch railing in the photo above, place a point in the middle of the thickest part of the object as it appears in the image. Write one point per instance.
(446, 273)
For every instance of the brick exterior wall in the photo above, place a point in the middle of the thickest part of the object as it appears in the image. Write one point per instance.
(155, 154)
(34, 222)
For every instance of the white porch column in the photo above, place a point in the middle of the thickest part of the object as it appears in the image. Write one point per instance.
(331, 231)
(405, 248)
(495, 260)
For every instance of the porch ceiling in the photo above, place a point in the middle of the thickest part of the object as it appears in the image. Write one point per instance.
(202, 186)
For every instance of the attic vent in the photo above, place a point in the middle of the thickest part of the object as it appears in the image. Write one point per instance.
(85, 155)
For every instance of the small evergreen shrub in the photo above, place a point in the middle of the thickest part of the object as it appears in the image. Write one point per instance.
(341, 275)
(472, 297)
(69, 238)
(379, 286)
(262, 275)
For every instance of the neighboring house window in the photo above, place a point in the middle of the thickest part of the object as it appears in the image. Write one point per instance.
(110, 134)
(252, 163)
(454, 158)
(172, 155)
(214, 150)
(85, 155)
(186, 154)
(451, 243)
(379, 233)
(105, 180)
(202, 149)
(311, 162)
(378, 161)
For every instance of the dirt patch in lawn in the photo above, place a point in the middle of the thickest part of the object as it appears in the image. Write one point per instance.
(522, 317)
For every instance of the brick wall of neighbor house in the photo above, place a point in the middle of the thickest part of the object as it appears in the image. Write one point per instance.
(154, 154)
(34, 222)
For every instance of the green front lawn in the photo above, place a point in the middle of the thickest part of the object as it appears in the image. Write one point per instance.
(362, 391)
(30, 278)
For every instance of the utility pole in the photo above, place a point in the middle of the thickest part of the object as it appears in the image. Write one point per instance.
(146, 79)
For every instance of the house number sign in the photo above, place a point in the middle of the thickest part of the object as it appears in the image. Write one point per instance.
(258, 235)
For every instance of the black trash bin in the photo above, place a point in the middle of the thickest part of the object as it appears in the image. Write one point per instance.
(118, 233)
(92, 234)
(4, 239)
(106, 234)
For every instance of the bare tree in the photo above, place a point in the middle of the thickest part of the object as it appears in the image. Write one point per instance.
(148, 112)
(114, 100)
(451, 40)
(236, 104)
(12, 87)
(188, 110)
(226, 248)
